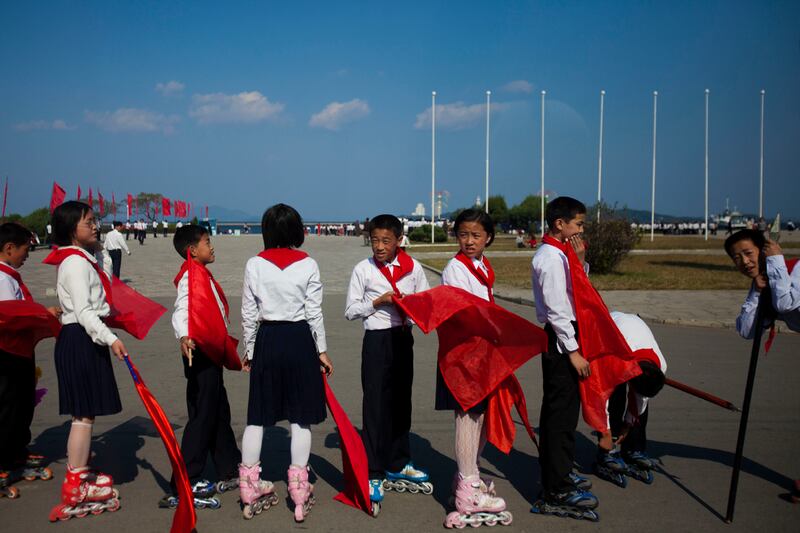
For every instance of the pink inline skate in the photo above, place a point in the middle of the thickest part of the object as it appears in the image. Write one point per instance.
(84, 492)
(256, 494)
(475, 506)
(300, 490)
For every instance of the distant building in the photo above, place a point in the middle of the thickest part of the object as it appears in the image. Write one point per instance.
(419, 211)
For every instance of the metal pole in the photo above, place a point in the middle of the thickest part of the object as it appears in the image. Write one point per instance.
(706, 173)
(433, 165)
(653, 190)
(761, 163)
(600, 158)
(488, 107)
(542, 190)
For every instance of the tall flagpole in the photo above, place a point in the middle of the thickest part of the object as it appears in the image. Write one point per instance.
(542, 190)
(653, 190)
(433, 164)
(706, 219)
(761, 164)
(488, 108)
(600, 158)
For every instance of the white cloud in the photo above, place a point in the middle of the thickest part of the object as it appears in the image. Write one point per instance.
(57, 124)
(132, 119)
(243, 107)
(519, 86)
(335, 114)
(456, 116)
(170, 88)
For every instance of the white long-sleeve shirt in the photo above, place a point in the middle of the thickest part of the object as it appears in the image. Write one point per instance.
(368, 283)
(552, 292)
(292, 294)
(9, 288)
(82, 298)
(115, 241)
(456, 274)
(785, 290)
(180, 314)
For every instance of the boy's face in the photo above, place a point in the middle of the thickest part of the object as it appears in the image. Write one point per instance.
(384, 244)
(572, 227)
(203, 252)
(15, 255)
(746, 256)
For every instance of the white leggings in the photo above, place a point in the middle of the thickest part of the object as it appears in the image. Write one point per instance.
(254, 436)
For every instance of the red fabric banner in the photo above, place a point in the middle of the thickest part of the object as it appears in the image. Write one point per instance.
(113, 203)
(101, 205)
(206, 211)
(78, 197)
(56, 197)
(23, 323)
(166, 206)
(130, 205)
(90, 201)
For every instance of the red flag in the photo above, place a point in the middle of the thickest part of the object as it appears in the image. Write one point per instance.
(57, 197)
(130, 205)
(5, 195)
(480, 346)
(130, 311)
(90, 197)
(166, 206)
(23, 323)
(206, 211)
(113, 203)
(78, 197)
(100, 202)
(185, 519)
(354, 457)
(207, 327)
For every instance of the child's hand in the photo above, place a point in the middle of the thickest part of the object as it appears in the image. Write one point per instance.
(325, 362)
(577, 244)
(118, 349)
(55, 311)
(772, 248)
(383, 299)
(581, 365)
(246, 364)
(606, 442)
(186, 345)
(760, 282)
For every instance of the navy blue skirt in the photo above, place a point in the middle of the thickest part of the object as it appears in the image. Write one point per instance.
(445, 401)
(285, 377)
(86, 383)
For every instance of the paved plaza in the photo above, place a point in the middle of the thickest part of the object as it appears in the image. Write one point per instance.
(693, 439)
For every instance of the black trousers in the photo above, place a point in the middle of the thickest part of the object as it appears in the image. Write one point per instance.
(636, 441)
(387, 372)
(116, 261)
(208, 430)
(17, 390)
(561, 403)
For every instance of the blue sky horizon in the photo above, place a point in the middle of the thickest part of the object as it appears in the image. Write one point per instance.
(326, 106)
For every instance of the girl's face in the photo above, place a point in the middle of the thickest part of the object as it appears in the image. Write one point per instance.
(472, 239)
(86, 231)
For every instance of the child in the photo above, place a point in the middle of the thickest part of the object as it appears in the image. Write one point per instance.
(114, 244)
(469, 270)
(387, 356)
(208, 430)
(17, 372)
(284, 337)
(86, 384)
(562, 365)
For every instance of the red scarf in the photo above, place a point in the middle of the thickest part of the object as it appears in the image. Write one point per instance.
(58, 255)
(205, 272)
(486, 281)
(282, 257)
(790, 264)
(26, 294)
(406, 266)
(611, 360)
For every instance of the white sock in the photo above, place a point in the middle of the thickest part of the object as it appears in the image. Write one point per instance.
(251, 444)
(301, 444)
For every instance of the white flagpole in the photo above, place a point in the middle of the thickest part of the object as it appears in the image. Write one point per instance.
(653, 190)
(542, 191)
(488, 108)
(433, 165)
(761, 164)
(706, 173)
(600, 158)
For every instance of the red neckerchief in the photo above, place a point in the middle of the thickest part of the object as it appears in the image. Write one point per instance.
(282, 257)
(406, 266)
(206, 271)
(790, 264)
(487, 282)
(26, 294)
(547, 239)
(58, 255)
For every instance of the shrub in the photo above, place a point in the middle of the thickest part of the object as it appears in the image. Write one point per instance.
(608, 242)
(423, 234)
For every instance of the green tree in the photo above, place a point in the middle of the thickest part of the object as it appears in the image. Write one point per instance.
(423, 234)
(498, 209)
(527, 213)
(609, 240)
(37, 221)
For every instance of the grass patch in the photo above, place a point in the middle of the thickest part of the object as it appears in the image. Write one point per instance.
(635, 272)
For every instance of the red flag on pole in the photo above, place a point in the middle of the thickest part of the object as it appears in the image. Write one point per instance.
(166, 206)
(90, 198)
(100, 202)
(113, 203)
(206, 211)
(78, 197)
(57, 197)
(130, 205)
(5, 195)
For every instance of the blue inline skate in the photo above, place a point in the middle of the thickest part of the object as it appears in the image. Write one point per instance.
(409, 479)
(611, 467)
(640, 466)
(376, 495)
(577, 504)
(203, 492)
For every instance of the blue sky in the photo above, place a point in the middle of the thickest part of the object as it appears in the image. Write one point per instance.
(322, 104)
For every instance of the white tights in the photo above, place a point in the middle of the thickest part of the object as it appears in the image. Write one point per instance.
(300, 445)
(470, 440)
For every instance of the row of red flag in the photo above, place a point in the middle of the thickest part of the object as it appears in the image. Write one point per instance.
(177, 208)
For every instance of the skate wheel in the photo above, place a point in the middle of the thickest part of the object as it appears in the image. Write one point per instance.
(215, 503)
(427, 488)
(376, 509)
(83, 514)
(649, 478)
(247, 512)
(47, 474)
(13, 493)
(507, 519)
(115, 493)
(29, 477)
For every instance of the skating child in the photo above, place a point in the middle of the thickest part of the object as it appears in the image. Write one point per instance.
(562, 365)
(17, 371)
(285, 351)
(469, 270)
(208, 430)
(86, 384)
(387, 364)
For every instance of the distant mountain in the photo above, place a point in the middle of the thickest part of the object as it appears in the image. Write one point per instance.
(224, 214)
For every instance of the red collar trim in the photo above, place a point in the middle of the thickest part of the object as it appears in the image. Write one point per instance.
(282, 257)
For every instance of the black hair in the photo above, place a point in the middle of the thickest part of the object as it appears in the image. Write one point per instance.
(565, 208)
(745, 235)
(479, 216)
(650, 381)
(116, 223)
(65, 221)
(186, 236)
(282, 227)
(14, 233)
(389, 222)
